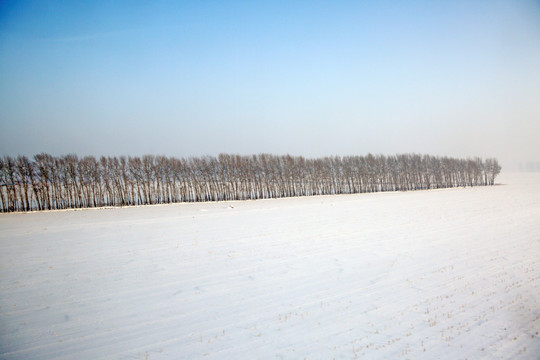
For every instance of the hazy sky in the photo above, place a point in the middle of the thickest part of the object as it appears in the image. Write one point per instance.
(312, 78)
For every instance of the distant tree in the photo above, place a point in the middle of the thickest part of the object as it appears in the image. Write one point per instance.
(67, 181)
(3, 186)
(11, 183)
(492, 169)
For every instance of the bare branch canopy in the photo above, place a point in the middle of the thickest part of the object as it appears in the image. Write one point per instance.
(64, 182)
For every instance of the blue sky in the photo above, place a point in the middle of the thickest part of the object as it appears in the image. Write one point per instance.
(458, 78)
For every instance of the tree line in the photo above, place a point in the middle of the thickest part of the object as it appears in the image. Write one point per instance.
(46, 182)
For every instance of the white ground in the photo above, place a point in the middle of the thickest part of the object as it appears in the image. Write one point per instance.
(442, 274)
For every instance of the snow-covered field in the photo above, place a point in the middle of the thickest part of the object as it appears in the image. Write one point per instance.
(440, 274)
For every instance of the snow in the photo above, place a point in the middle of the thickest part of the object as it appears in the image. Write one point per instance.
(438, 274)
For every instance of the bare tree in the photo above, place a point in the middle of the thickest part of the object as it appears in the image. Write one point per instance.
(50, 182)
